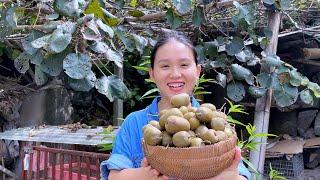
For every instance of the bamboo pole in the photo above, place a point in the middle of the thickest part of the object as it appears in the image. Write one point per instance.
(118, 103)
(263, 104)
(311, 53)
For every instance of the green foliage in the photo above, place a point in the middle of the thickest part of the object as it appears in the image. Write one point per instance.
(101, 32)
(107, 133)
(274, 174)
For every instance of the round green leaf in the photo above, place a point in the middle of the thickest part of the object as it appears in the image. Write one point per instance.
(306, 97)
(91, 31)
(273, 61)
(236, 91)
(295, 78)
(304, 81)
(84, 84)
(128, 43)
(77, 66)
(314, 87)
(105, 28)
(234, 46)
(26, 43)
(67, 7)
(37, 58)
(41, 42)
(211, 49)
(267, 80)
(267, 32)
(242, 73)
(244, 56)
(21, 63)
(136, 13)
(182, 6)
(112, 86)
(198, 17)
(68, 27)
(173, 19)
(286, 96)
(264, 43)
(114, 56)
(257, 92)
(270, 2)
(200, 54)
(59, 41)
(221, 79)
(99, 47)
(39, 76)
(140, 42)
(11, 17)
(52, 64)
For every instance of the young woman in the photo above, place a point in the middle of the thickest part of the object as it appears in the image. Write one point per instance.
(175, 70)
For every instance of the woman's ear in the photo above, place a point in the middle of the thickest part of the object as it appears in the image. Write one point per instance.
(198, 70)
(151, 74)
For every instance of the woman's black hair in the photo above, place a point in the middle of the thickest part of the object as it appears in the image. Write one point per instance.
(167, 36)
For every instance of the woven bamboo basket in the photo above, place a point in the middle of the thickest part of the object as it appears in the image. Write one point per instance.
(192, 163)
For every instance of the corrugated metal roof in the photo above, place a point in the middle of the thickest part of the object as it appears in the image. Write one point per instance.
(54, 134)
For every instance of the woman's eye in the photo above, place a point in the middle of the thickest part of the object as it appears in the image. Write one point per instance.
(185, 65)
(164, 66)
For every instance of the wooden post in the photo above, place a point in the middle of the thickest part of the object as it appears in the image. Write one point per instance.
(118, 103)
(263, 104)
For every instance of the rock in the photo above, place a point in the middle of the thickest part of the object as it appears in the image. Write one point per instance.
(283, 122)
(317, 125)
(305, 119)
(51, 106)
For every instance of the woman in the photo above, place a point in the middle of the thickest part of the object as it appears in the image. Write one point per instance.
(175, 70)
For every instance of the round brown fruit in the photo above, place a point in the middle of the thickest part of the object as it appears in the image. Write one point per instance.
(181, 139)
(166, 139)
(169, 112)
(204, 114)
(189, 115)
(196, 142)
(210, 106)
(201, 130)
(221, 135)
(210, 136)
(175, 124)
(218, 124)
(219, 114)
(179, 100)
(152, 135)
(155, 124)
(194, 123)
(183, 109)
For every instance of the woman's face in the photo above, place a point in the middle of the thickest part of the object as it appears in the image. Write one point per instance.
(175, 70)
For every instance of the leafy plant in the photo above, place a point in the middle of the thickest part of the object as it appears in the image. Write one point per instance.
(274, 174)
(107, 133)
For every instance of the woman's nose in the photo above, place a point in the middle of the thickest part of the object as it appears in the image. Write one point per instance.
(175, 73)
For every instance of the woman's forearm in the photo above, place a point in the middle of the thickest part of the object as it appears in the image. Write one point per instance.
(132, 173)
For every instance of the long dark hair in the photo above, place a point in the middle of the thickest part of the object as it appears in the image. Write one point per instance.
(165, 37)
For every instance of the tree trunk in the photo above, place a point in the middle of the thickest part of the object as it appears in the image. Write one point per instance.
(263, 104)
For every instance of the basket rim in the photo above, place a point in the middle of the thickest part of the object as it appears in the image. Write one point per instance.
(146, 146)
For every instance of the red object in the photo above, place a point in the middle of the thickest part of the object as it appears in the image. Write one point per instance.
(63, 164)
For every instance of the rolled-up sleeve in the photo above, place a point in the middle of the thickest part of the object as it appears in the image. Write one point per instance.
(243, 170)
(120, 157)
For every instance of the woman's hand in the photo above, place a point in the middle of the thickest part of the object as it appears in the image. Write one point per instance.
(152, 172)
(232, 171)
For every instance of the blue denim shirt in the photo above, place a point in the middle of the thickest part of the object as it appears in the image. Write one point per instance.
(127, 151)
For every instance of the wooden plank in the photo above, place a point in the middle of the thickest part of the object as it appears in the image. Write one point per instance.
(118, 103)
(263, 104)
(7, 171)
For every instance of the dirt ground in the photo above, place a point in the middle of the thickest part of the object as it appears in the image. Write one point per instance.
(310, 174)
